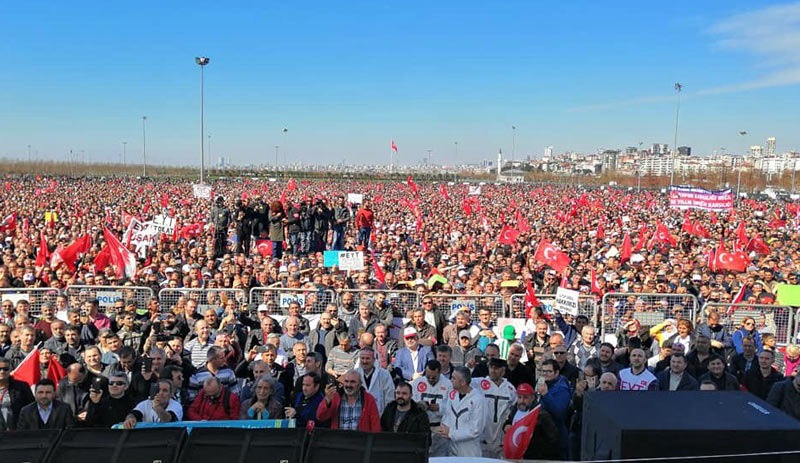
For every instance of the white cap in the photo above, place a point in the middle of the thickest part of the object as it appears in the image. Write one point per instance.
(169, 270)
(263, 308)
(408, 332)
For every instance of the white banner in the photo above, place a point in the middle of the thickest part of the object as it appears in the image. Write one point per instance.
(201, 191)
(139, 234)
(698, 198)
(164, 224)
(355, 198)
(567, 301)
(351, 260)
(474, 190)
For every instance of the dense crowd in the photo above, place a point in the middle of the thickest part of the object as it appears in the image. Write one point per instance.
(383, 349)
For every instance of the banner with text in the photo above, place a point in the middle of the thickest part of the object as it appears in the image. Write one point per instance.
(698, 198)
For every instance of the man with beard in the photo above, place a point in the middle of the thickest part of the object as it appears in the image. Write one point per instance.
(46, 412)
(352, 408)
(403, 414)
(544, 442)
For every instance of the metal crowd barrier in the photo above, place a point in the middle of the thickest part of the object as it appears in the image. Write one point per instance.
(36, 297)
(312, 300)
(648, 308)
(107, 295)
(402, 302)
(776, 319)
(205, 297)
(448, 304)
(587, 305)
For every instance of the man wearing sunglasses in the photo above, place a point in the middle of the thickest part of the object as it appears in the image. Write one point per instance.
(13, 395)
(109, 401)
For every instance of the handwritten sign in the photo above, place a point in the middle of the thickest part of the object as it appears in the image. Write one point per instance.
(567, 301)
(351, 260)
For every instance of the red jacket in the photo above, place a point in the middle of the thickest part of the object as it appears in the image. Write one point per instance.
(203, 409)
(370, 420)
(365, 218)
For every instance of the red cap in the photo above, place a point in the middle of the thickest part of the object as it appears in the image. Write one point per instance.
(524, 389)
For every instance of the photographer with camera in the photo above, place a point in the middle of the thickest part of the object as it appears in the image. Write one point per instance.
(109, 401)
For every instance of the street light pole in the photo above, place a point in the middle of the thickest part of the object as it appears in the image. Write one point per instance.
(429, 157)
(124, 152)
(276, 159)
(678, 88)
(144, 147)
(29, 154)
(202, 61)
(210, 158)
(513, 142)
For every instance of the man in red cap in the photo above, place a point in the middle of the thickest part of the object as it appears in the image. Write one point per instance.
(544, 442)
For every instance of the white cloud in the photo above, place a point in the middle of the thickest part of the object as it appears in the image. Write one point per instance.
(772, 36)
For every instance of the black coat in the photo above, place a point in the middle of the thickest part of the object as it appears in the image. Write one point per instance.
(415, 421)
(688, 383)
(21, 396)
(61, 417)
(109, 411)
(545, 440)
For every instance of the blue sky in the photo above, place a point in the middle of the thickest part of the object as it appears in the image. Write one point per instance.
(346, 77)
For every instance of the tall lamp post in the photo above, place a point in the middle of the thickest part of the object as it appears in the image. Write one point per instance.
(124, 152)
(276, 159)
(144, 147)
(29, 154)
(678, 88)
(513, 142)
(742, 133)
(202, 61)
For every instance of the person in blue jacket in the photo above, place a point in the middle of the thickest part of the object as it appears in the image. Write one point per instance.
(555, 396)
(404, 359)
(305, 403)
(748, 328)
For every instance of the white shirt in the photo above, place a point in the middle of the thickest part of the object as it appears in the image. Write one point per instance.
(424, 391)
(499, 399)
(632, 382)
(465, 418)
(44, 413)
(145, 407)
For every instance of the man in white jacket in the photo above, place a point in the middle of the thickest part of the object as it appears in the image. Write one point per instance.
(376, 380)
(464, 417)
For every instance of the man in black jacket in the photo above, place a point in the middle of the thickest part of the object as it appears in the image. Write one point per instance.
(19, 395)
(109, 403)
(403, 414)
(45, 413)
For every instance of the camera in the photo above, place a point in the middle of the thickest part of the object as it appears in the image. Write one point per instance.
(157, 327)
(162, 338)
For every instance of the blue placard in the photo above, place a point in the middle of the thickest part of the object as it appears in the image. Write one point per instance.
(331, 259)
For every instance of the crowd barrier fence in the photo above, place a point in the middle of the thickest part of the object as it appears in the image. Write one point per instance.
(776, 319)
(649, 309)
(107, 295)
(36, 297)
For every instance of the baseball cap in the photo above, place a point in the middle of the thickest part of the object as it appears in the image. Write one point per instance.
(169, 270)
(464, 334)
(409, 332)
(263, 308)
(497, 362)
(509, 332)
(524, 389)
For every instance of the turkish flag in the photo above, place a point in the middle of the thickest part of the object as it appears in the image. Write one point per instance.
(291, 184)
(120, 256)
(28, 370)
(55, 371)
(9, 222)
(601, 233)
(663, 236)
(466, 207)
(70, 254)
(379, 273)
(518, 437)
(626, 253)
(43, 254)
(757, 244)
(412, 185)
(264, 247)
(734, 261)
(103, 259)
(531, 301)
(126, 219)
(508, 235)
(595, 289)
(687, 226)
(699, 230)
(523, 225)
(549, 255)
(394, 146)
(737, 299)
(741, 236)
(164, 200)
(443, 191)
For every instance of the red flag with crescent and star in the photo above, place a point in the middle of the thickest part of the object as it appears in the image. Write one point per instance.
(518, 437)
(549, 255)
(508, 235)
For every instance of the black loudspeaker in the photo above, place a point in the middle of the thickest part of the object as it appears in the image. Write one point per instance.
(27, 446)
(659, 425)
(119, 446)
(327, 446)
(236, 445)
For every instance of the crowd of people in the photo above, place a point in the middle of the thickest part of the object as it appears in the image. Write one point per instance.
(377, 360)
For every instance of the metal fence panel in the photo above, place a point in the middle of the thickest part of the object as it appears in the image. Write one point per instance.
(775, 319)
(205, 297)
(78, 294)
(402, 302)
(448, 303)
(36, 297)
(587, 305)
(649, 308)
(312, 300)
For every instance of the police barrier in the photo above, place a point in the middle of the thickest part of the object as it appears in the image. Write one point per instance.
(401, 302)
(587, 305)
(449, 304)
(108, 295)
(649, 309)
(206, 297)
(36, 297)
(311, 300)
(776, 319)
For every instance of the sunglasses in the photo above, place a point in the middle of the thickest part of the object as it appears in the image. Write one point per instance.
(5, 368)
(116, 383)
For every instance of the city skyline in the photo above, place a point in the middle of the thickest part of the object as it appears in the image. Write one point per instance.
(336, 83)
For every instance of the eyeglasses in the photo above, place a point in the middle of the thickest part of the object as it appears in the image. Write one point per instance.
(5, 368)
(116, 383)
(559, 353)
(548, 372)
(427, 302)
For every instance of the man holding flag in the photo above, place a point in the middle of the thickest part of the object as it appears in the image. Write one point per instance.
(531, 433)
(14, 395)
